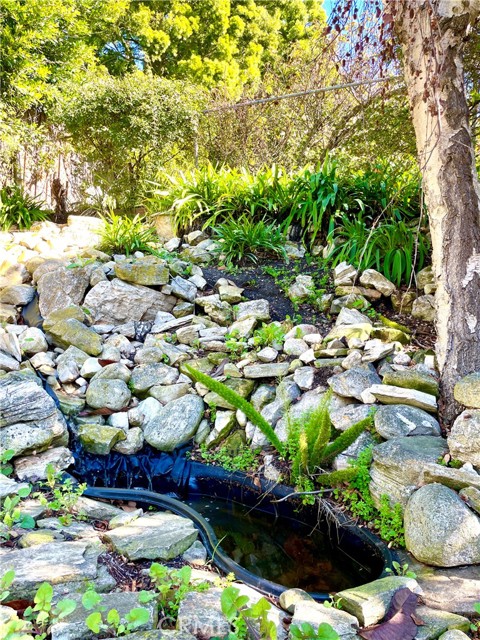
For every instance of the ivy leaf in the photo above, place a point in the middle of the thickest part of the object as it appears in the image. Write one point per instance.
(90, 599)
(94, 621)
(65, 607)
(137, 617)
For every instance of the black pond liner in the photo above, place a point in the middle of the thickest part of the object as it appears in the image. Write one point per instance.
(170, 481)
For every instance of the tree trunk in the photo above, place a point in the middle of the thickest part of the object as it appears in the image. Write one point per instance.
(432, 34)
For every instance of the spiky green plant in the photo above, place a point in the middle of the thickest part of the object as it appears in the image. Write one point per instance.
(238, 402)
(310, 444)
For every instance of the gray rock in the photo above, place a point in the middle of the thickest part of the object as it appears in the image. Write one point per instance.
(243, 328)
(230, 293)
(397, 466)
(471, 496)
(272, 370)
(23, 399)
(61, 288)
(112, 394)
(17, 295)
(72, 332)
(262, 395)
(196, 554)
(224, 423)
(295, 346)
(370, 602)
(315, 613)
(146, 376)
(114, 371)
(7, 363)
(8, 486)
(304, 377)
(147, 271)
(258, 309)
(201, 615)
(219, 311)
(73, 354)
(183, 289)
(56, 563)
(437, 622)
(440, 529)
(453, 635)
(388, 394)
(117, 302)
(27, 437)
(301, 288)
(161, 536)
(364, 441)
(98, 438)
(372, 278)
(34, 468)
(412, 379)
(96, 510)
(345, 417)
(352, 301)
(170, 392)
(464, 437)
(10, 345)
(267, 354)
(174, 424)
(353, 382)
(424, 308)
(467, 391)
(392, 421)
(133, 442)
(450, 477)
(351, 316)
(291, 597)
(73, 626)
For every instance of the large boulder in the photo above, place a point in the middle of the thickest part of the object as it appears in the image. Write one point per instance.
(464, 438)
(117, 302)
(112, 394)
(62, 287)
(397, 466)
(467, 391)
(440, 529)
(395, 420)
(172, 425)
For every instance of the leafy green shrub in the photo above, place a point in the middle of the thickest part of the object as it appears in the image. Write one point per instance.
(19, 209)
(315, 196)
(238, 402)
(310, 445)
(393, 248)
(246, 240)
(128, 127)
(123, 234)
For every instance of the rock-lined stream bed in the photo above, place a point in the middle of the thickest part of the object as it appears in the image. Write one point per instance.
(115, 336)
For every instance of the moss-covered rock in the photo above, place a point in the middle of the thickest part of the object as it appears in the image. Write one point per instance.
(99, 439)
(72, 332)
(412, 379)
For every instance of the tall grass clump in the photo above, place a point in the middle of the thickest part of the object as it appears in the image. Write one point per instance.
(19, 209)
(124, 234)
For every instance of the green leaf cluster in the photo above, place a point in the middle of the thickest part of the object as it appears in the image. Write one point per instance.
(11, 511)
(19, 209)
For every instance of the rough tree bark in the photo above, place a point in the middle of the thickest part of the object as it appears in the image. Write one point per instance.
(432, 34)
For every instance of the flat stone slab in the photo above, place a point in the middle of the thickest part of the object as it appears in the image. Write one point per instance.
(370, 602)
(388, 394)
(161, 536)
(270, 370)
(453, 478)
(395, 420)
(437, 622)
(73, 626)
(54, 562)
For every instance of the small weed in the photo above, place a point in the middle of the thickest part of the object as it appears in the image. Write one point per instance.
(401, 570)
(245, 459)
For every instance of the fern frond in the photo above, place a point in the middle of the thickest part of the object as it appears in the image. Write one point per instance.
(319, 430)
(238, 402)
(333, 478)
(346, 438)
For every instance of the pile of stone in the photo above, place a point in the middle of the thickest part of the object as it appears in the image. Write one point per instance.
(360, 290)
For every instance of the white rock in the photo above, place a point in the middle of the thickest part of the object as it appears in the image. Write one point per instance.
(267, 355)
